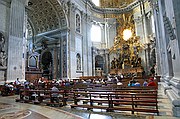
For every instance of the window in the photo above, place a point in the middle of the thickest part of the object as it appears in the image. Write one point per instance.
(96, 2)
(96, 33)
(152, 22)
(78, 23)
(78, 62)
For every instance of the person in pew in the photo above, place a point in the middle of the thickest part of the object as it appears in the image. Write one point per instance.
(84, 82)
(137, 84)
(26, 84)
(119, 83)
(17, 82)
(31, 86)
(55, 95)
(7, 89)
(151, 82)
(132, 82)
(145, 83)
(71, 82)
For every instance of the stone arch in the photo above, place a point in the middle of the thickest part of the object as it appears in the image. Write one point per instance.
(46, 15)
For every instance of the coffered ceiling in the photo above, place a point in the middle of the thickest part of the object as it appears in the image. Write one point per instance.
(45, 15)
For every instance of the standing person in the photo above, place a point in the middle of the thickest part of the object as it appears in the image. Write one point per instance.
(152, 70)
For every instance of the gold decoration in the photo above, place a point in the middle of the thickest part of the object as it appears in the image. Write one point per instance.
(115, 3)
(127, 48)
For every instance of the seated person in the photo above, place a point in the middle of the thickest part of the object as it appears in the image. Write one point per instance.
(137, 84)
(151, 82)
(131, 83)
(17, 82)
(55, 95)
(119, 83)
(145, 83)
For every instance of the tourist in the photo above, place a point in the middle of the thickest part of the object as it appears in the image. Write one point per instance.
(55, 95)
(17, 82)
(145, 83)
(137, 84)
(152, 70)
(132, 82)
(151, 82)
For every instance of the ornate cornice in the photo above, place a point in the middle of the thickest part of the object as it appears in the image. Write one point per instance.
(112, 10)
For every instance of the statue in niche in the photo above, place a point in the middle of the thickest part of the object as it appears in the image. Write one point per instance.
(113, 63)
(2, 42)
(133, 60)
(116, 63)
(2, 59)
(138, 62)
(2, 51)
(78, 60)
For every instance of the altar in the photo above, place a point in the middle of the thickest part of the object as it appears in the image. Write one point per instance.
(136, 71)
(126, 57)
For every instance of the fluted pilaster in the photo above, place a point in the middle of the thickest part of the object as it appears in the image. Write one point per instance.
(16, 43)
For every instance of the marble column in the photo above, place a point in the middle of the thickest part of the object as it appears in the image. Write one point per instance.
(16, 43)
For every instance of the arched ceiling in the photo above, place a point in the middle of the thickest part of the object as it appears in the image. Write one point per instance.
(115, 3)
(45, 15)
(113, 7)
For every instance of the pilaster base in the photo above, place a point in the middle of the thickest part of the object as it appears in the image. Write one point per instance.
(173, 93)
(2, 75)
(175, 102)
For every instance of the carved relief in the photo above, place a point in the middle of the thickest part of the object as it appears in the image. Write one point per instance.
(72, 6)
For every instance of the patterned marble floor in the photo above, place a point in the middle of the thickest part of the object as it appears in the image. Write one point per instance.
(9, 109)
(15, 110)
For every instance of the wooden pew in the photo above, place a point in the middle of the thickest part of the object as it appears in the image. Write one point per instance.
(123, 100)
(41, 96)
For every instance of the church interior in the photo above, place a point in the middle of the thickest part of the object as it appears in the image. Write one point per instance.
(86, 59)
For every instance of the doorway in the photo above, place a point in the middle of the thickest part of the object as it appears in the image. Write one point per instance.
(46, 62)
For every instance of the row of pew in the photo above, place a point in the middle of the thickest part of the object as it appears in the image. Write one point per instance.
(110, 98)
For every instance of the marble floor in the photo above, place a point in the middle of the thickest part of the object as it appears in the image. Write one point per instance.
(9, 109)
